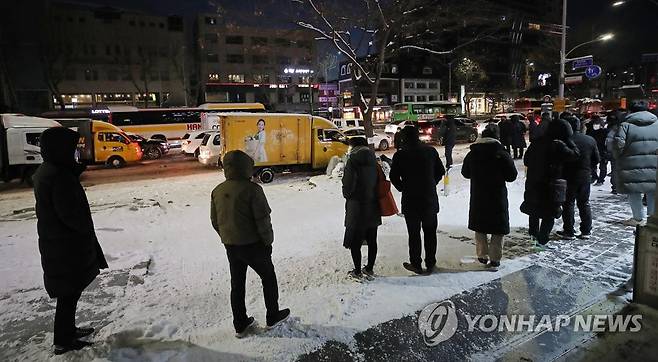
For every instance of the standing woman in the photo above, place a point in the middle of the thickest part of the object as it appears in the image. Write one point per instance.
(518, 137)
(70, 253)
(489, 167)
(362, 214)
(261, 137)
(545, 159)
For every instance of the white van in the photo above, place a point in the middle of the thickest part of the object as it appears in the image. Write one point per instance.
(20, 151)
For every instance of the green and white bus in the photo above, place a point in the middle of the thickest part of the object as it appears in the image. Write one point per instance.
(420, 111)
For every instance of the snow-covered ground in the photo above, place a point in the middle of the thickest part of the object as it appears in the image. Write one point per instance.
(166, 295)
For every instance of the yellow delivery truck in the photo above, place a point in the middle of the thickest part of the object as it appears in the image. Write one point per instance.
(102, 142)
(281, 141)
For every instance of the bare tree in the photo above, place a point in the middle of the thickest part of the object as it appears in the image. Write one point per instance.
(141, 68)
(471, 74)
(400, 25)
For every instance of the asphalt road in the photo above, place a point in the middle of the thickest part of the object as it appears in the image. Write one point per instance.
(172, 165)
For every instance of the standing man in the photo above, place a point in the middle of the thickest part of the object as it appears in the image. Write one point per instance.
(70, 253)
(600, 133)
(578, 175)
(415, 172)
(449, 136)
(614, 121)
(635, 148)
(506, 131)
(240, 214)
(518, 137)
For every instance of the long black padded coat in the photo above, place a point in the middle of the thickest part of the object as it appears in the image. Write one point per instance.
(70, 253)
(489, 167)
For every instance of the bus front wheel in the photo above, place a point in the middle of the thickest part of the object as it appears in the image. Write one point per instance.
(116, 162)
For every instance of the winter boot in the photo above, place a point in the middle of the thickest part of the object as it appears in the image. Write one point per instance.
(368, 273)
(565, 236)
(75, 345)
(355, 275)
(278, 319)
(483, 260)
(244, 330)
(83, 332)
(413, 268)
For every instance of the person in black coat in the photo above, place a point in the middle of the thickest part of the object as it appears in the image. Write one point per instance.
(506, 134)
(600, 133)
(489, 167)
(416, 170)
(449, 136)
(544, 161)
(362, 214)
(518, 137)
(70, 253)
(578, 176)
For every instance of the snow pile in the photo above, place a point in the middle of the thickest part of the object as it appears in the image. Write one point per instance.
(167, 293)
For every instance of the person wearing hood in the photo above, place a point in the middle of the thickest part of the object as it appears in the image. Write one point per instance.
(634, 147)
(578, 174)
(415, 172)
(448, 132)
(71, 255)
(240, 214)
(539, 125)
(362, 214)
(600, 133)
(518, 137)
(506, 133)
(544, 161)
(489, 167)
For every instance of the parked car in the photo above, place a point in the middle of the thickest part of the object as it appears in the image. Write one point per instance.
(347, 123)
(430, 132)
(393, 127)
(381, 141)
(210, 150)
(152, 148)
(191, 142)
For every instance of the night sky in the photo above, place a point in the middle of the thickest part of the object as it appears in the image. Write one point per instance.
(635, 24)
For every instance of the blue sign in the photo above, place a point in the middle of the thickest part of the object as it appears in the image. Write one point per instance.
(582, 62)
(593, 72)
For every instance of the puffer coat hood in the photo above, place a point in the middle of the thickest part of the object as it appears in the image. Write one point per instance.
(642, 118)
(58, 145)
(238, 165)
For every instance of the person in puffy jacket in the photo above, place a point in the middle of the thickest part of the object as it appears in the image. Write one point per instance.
(415, 172)
(518, 137)
(240, 214)
(545, 159)
(578, 174)
(489, 167)
(71, 256)
(634, 147)
(362, 214)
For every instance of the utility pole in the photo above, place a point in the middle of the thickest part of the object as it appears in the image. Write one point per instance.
(563, 49)
(449, 80)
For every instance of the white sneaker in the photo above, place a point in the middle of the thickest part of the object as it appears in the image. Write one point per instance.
(633, 222)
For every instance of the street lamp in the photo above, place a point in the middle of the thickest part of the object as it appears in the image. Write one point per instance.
(604, 37)
(618, 3)
(564, 53)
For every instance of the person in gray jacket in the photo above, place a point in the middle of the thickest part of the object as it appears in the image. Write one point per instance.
(634, 147)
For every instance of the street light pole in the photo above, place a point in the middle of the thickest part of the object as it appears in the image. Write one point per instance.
(563, 49)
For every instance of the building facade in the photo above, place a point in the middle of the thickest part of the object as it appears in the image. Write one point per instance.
(248, 64)
(87, 56)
